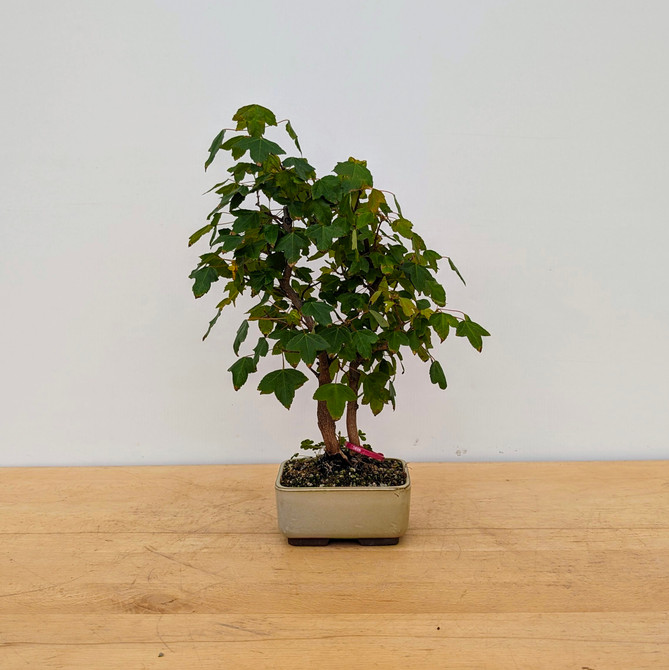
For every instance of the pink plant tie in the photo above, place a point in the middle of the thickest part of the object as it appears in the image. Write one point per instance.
(365, 452)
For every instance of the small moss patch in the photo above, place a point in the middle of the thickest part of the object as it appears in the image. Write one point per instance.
(323, 470)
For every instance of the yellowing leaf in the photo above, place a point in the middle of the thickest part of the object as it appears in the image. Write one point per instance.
(254, 118)
(376, 199)
(407, 306)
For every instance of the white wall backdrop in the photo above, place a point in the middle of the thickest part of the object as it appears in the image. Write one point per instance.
(526, 139)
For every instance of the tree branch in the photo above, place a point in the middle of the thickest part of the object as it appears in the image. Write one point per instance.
(286, 221)
(352, 406)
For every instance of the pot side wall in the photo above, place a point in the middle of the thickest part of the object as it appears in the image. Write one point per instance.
(343, 512)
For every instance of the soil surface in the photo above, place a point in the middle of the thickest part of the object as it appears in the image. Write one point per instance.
(322, 470)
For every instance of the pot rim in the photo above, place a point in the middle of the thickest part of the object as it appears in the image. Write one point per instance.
(279, 487)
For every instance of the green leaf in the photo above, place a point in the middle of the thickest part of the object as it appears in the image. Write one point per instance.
(350, 302)
(294, 358)
(199, 233)
(403, 227)
(442, 323)
(381, 320)
(289, 184)
(308, 344)
(375, 394)
(221, 185)
(260, 349)
(283, 383)
(354, 175)
(392, 393)
(397, 206)
(271, 233)
(473, 332)
(291, 245)
(328, 187)
(457, 272)
(204, 277)
(302, 168)
(320, 311)
(396, 339)
(265, 327)
(231, 146)
(213, 149)
(340, 227)
(245, 220)
(228, 193)
(293, 135)
(431, 257)
(211, 324)
(259, 310)
(437, 375)
(336, 396)
(336, 338)
(422, 354)
(397, 252)
(417, 242)
(240, 170)
(230, 242)
(303, 273)
(251, 249)
(418, 275)
(362, 341)
(259, 148)
(414, 340)
(334, 367)
(321, 235)
(241, 370)
(387, 265)
(242, 332)
(254, 118)
(437, 293)
(365, 220)
(321, 210)
(271, 166)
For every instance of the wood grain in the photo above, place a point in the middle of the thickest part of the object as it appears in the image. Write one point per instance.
(509, 565)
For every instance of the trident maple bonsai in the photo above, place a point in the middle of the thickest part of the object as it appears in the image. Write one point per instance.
(344, 285)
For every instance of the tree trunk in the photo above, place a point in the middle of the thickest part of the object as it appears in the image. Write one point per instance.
(326, 423)
(352, 405)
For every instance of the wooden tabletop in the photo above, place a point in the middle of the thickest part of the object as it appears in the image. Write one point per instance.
(508, 565)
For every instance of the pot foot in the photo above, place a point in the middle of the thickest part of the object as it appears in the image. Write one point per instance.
(378, 541)
(308, 541)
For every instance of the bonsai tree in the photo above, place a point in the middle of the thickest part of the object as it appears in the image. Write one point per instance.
(344, 285)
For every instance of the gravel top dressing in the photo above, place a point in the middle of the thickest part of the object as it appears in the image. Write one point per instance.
(322, 470)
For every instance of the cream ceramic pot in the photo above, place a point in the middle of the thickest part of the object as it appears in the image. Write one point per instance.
(372, 515)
